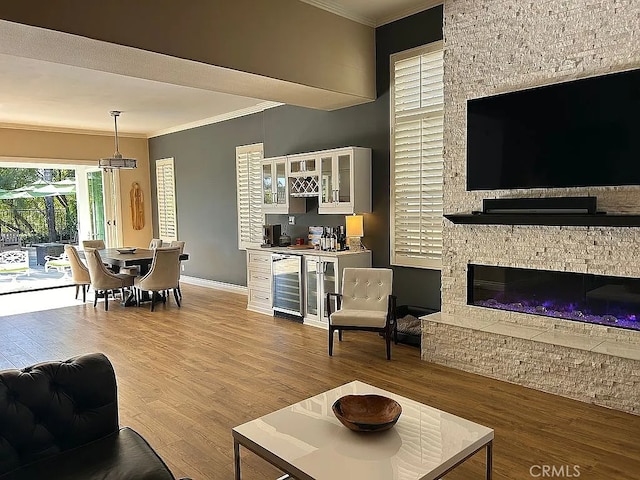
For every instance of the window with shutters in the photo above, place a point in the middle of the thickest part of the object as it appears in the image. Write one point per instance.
(417, 110)
(166, 194)
(249, 194)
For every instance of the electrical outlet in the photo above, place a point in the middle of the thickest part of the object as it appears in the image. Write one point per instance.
(292, 220)
(182, 266)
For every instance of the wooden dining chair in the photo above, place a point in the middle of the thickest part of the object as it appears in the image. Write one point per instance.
(163, 275)
(102, 280)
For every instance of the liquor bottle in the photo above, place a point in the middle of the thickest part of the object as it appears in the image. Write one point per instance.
(323, 239)
(342, 239)
(332, 240)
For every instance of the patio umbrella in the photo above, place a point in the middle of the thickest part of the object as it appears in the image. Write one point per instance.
(40, 188)
(52, 189)
(11, 194)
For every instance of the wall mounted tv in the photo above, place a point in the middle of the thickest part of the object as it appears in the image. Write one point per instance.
(573, 134)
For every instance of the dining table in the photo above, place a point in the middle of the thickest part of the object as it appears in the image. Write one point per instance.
(138, 257)
(142, 258)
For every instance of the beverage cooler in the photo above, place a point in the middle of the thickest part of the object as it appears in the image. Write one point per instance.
(287, 284)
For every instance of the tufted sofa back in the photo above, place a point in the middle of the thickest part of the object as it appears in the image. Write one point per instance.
(366, 288)
(55, 406)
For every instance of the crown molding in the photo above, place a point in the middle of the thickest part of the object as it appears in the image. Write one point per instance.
(408, 12)
(73, 131)
(334, 6)
(261, 107)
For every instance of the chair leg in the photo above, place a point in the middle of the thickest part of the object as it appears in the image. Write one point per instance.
(77, 288)
(153, 300)
(106, 300)
(95, 297)
(330, 340)
(176, 296)
(387, 339)
(84, 293)
(339, 335)
(179, 292)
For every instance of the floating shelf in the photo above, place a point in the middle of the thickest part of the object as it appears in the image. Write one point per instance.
(549, 219)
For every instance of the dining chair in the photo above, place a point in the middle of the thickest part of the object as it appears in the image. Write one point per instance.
(79, 272)
(97, 244)
(180, 244)
(102, 280)
(155, 243)
(163, 275)
(366, 303)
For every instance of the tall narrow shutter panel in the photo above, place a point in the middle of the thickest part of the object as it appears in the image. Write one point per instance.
(249, 194)
(166, 194)
(417, 163)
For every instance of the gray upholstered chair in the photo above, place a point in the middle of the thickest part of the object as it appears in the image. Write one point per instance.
(79, 272)
(163, 275)
(97, 244)
(366, 303)
(102, 280)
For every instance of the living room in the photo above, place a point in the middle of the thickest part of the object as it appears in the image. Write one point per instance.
(490, 48)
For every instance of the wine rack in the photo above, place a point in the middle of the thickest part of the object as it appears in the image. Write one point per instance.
(304, 186)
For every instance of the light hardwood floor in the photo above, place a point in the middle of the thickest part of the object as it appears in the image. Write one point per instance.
(187, 376)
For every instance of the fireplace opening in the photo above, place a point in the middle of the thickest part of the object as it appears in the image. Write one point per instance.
(581, 297)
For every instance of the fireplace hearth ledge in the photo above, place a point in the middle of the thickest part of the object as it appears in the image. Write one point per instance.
(542, 334)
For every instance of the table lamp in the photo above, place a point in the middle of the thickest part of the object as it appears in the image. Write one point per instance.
(355, 231)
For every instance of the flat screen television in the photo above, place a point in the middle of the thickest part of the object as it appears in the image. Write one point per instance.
(574, 134)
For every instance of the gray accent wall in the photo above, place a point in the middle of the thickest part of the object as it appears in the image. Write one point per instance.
(205, 171)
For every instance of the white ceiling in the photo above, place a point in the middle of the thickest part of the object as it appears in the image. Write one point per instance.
(49, 95)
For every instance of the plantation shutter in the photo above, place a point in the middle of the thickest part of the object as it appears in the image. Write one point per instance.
(166, 194)
(249, 194)
(417, 111)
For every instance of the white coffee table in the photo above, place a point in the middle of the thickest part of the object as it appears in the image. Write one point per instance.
(306, 441)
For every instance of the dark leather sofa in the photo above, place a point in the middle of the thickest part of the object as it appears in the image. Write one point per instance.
(59, 420)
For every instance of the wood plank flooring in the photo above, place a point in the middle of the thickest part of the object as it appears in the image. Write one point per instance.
(187, 376)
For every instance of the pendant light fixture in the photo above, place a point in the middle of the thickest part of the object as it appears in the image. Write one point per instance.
(117, 160)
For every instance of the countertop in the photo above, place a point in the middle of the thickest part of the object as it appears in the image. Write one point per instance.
(307, 251)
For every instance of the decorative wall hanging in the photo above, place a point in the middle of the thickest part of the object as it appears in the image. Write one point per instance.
(137, 206)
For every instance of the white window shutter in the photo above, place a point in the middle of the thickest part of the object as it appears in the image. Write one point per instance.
(249, 194)
(166, 195)
(417, 111)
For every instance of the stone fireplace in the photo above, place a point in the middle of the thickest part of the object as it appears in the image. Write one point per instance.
(497, 46)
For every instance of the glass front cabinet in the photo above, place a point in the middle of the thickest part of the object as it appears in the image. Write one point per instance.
(323, 274)
(275, 192)
(345, 181)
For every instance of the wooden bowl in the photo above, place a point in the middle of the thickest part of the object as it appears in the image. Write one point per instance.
(367, 413)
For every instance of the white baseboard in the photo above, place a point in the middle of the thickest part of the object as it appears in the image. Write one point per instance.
(203, 282)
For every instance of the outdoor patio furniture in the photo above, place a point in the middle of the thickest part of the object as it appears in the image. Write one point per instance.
(44, 251)
(10, 240)
(60, 263)
(14, 263)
